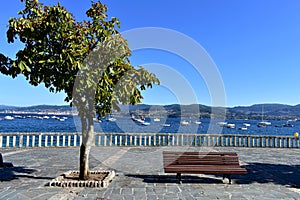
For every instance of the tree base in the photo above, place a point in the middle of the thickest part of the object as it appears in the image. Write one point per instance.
(71, 179)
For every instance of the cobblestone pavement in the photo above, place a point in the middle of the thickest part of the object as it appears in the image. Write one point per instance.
(272, 174)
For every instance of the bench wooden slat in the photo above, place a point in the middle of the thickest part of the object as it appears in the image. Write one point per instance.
(208, 169)
(205, 160)
(199, 153)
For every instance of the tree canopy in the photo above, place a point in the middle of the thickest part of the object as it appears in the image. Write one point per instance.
(56, 45)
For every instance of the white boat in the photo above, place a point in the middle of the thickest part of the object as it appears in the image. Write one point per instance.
(54, 117)
(111, 119)
(184, 123)
(230, 125)
(156, 119)
(246, 124)
(222, 124)
(263, 123)
(19, 117)
(137, 119)
(197, 122)
(243, 128)
(46, 117)
(145, 123)
(8, 118)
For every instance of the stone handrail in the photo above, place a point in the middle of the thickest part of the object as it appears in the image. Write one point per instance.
(30, 140)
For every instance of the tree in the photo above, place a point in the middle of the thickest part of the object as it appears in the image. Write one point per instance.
(88, 60)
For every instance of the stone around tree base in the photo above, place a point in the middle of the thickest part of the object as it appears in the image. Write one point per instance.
(99, 179)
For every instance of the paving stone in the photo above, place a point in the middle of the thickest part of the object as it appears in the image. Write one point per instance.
(127, 191)
(152, 197)
(7, 193)
(170, 196)
(19, 196)
(128, 197)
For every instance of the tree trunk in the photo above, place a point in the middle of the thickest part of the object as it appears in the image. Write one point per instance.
(87, 142)
(84, 163)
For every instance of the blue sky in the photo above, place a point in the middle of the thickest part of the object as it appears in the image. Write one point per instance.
(254, 44)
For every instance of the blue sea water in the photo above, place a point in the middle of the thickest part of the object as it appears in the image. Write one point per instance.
(126, 125)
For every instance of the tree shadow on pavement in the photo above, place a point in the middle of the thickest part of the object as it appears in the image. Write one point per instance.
(11, 173)
(279, 174)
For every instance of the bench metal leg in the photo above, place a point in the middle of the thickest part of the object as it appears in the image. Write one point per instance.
(178, 176)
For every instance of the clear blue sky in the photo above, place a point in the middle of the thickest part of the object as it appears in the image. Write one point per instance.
(255, 45)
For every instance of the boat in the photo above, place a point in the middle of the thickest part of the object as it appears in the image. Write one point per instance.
(246, 124)
(145, 123)
(8, 117)
(55, 117)
(222, 124)
(137, 119)
(19, 117)
(243, 128)
(197, 122)
(111, 119)
(156, 119)
(184, 123)
(230, 125)
(263, 123)
(288, 125)
(165, 125)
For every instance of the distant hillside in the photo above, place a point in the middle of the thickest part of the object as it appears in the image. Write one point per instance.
(267, 111)
(3, 107)
(257, 111)
(36, 109)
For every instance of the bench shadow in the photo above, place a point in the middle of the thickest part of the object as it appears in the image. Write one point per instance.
(147, 178)
(279, 174)
(11, 173)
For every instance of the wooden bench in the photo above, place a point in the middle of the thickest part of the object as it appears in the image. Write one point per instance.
(215, 163)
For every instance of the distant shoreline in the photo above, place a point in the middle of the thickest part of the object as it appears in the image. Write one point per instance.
(254, 112)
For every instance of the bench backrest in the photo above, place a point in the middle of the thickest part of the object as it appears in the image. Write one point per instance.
(200, 158)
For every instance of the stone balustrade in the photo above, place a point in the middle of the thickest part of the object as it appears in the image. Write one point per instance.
(30, 140)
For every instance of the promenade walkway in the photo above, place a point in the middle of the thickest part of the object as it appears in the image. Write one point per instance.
(272, 174)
